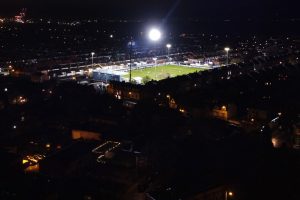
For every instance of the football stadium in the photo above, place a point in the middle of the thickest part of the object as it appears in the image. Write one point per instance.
(144, 72)
(149, 69)
(161, 72)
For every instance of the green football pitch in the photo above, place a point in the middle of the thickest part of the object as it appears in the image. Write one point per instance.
(162, 72)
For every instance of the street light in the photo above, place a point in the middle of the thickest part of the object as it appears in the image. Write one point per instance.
(228, 194)
(227, 49)
(93, 53)
(169, 47)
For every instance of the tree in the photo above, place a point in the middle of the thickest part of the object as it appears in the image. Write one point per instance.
(146, 79)
(133, 81)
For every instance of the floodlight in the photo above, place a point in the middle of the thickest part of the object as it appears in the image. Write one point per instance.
(154, 34)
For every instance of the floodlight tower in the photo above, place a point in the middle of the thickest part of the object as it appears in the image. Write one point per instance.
(93, 53)
(155, 36)
(227, 49)
(155, 60)
(169, 47)
(130, 58)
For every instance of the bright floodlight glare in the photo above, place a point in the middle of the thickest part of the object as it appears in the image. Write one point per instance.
(154, 34)
(93, 53)
(168, 46)
(227, 49)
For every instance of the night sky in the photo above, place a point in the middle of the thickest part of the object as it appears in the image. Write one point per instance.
(206, 9)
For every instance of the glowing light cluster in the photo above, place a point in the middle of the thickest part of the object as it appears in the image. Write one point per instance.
(33, 159)
(107, 147)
